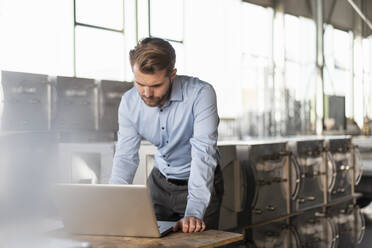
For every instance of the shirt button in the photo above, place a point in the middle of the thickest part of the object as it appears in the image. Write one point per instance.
(167, 141)
(163, 156)
(168, 165)
(161, 110)
(162, 128)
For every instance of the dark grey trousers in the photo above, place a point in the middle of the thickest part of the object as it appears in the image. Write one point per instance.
(170, 200)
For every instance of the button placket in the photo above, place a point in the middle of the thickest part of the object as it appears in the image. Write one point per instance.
(164, 134)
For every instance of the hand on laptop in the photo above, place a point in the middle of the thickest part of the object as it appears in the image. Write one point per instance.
(189, 224)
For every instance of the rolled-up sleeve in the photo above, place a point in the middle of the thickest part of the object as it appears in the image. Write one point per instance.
(204, 158)
(126, 154)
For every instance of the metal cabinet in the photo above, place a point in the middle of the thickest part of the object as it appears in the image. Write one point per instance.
(110, 93)
(74, 104)
(277, 234)
(350, 223)
(316, 229)
(265, 175)
(340, 164)
(26, 101)
(308, 173)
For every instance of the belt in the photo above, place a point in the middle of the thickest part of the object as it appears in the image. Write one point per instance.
(174, 181)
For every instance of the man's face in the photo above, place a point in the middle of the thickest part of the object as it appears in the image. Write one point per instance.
(154, 89)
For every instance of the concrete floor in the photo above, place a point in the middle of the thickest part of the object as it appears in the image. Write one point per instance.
(367, 240)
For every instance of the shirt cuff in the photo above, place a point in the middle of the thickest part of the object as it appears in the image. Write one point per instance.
(195, 209)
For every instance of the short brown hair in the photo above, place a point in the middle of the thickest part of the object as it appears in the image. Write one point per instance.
(153, 55)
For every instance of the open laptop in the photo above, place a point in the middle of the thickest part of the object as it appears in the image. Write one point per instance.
(103, 209)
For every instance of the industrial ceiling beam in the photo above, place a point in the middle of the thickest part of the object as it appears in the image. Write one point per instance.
(308, 5)
(332, 9)
(360, 13)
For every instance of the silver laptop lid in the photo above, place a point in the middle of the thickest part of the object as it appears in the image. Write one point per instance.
(121, 210)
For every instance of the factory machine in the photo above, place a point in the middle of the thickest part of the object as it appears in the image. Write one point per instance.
(340, 225)
(278, 234)
(261, 189)
(286, 189)
(110, 93)
(81, 112)
(349, 220)
(344, 167)
(308, 173)
(26, 102)
(316, 229)
(74, 104)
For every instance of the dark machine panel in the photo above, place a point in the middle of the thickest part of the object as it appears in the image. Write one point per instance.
(74, 104)
(316, 230)
(109, 97)
(276, 234)
(265, 167)
(307, 173)
(340, 167)
(349, 220)
(26, 101)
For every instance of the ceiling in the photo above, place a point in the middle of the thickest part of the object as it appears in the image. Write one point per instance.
(338, 13)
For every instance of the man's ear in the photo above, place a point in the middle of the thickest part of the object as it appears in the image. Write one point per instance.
(173, 75)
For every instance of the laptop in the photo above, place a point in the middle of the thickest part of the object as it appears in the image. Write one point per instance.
(105, 209)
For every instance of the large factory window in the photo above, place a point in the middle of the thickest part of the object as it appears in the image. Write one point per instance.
(99, 39)
(299, 73)
(165, 23)
(99, 54)
(256, 71)
(337, 78)
(105, 14)
(34, 37)
(169, 25)
(364, 77)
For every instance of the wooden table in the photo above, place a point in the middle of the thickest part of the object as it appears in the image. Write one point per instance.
(210, 238)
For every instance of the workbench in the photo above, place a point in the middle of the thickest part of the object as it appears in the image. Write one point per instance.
(210, 238)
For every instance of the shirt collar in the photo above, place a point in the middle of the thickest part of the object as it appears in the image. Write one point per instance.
(176, 91)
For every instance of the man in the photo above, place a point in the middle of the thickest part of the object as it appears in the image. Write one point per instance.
(178, 114)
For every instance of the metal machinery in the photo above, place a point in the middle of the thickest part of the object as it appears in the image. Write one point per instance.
(260, 182)
(26, 101)
(81, 113)
(74, 104)
(278, 234)
(364, 154)
(316, 229)
(343, 167)
(349, 221)
(110, 93)
(283, 191)
(266, 168)
(340, 225)
(308, 174)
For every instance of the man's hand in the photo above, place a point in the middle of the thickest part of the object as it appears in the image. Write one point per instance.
(189, 224)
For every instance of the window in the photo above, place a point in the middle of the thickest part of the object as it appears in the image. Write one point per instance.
(338, 62)
(299, 73)
(166, 21)
(99, 39)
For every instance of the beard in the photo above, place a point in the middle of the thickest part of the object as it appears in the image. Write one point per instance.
(152, 101)
(156, 101)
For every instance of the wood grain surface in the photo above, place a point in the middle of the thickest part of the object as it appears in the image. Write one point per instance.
(210, 238)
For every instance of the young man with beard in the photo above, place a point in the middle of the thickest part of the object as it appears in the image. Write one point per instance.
(178, 114)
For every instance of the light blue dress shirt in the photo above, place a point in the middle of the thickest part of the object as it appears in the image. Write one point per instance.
(184, 130)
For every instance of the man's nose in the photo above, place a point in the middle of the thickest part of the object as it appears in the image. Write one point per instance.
(147, 91)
